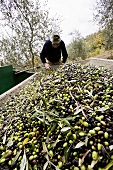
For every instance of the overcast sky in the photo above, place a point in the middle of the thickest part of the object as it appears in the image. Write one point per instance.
(76, 14)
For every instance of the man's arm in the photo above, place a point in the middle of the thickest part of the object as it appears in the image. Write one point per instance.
(64, 52)
(43, 54)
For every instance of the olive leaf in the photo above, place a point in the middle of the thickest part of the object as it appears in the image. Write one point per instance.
(93, 163)
(83, 113)
(10, 143)
(72, 97)
(69, 118)
(49, 118)
(47, 138)
(53, 127)
(16, 157)
(51, 113)
(40, 113)
(4, 137)
(54, 144)
(103, 109)
(90, 93)
(45, 165)
(27, 165)
(111, 147)
(80, 144)
(77, 111)
(86, 140)
(60, 124)
(64, 129)
(55, 100)
(66, 153)
(44, 146)
(47, 157)
(44, 120)
(44, 102)
(72, 81)
(79, 162)
(54, 111)
(66, 122)
(45, 150)
(54, 165)
(23, 161)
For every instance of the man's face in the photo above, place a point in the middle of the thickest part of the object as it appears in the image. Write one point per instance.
(55, 45)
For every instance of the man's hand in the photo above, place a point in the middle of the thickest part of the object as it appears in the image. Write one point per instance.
(47, 66)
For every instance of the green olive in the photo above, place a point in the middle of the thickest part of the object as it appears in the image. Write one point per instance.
(65, 144)
(82, 134)
(51, 153)
(31, 157)
(74, 136)
(82, 167)
(99, 146)
(98, 118)
(94, 155)
(92, 132)
(97, 128)
(60, 164)
(106, 135)
(2, 160)
(76, 168)
(106, 143)
(76, 127)
(48, 146)
(86, 124)
(70, 141)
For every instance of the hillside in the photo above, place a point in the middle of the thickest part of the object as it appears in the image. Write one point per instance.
(105, 55)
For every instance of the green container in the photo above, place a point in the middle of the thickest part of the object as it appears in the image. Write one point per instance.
(9, 78)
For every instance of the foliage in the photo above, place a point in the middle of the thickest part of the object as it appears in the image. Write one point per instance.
(108, 36)
(104, 17)
(29, 25)
(104, 14)
(76, 48)
(94, 43)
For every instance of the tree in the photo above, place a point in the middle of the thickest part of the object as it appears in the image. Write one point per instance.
(104, 17)
(29, 25)
(76, 48)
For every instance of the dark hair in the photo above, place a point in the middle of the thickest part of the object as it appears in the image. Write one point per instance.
(55, 38)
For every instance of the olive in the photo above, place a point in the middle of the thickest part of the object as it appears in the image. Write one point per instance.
(94, 155)
(109, 130)
(60, 164)
(65, 144)
(103, 152)
(2, 160)
(99, 146)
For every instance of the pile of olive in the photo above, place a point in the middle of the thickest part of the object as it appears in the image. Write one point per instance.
(62, 120)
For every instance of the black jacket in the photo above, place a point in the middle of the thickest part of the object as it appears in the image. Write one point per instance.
(53, 54)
